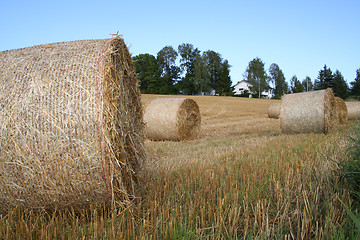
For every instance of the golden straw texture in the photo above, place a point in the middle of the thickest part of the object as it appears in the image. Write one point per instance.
(71, 125)
(341, 110)
(308, 112)
(175, 119)
(274, 110)
(353, 109)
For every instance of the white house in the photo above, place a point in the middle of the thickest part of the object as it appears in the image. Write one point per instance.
(242, 86)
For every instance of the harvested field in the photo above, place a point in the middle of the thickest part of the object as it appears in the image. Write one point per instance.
(241, 179)
(229, 116)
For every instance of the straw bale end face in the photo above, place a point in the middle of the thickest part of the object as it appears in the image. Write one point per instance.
(274, 110)
(353, 109)
(308, 112)
(72, 128)
(176, 119)
(341, 110)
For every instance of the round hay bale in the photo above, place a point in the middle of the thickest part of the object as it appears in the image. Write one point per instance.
(353, 109)
(308, 112)
(71, 125)
(341, 110)
(174, 119)
(274, 110)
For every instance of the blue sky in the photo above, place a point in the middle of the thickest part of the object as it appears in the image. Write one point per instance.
(300, 36)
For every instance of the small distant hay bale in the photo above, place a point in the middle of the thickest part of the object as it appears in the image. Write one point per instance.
(71, 131)
(274, 110)
(353, 109)
(175, 119)
(341, 110)
(308, 112)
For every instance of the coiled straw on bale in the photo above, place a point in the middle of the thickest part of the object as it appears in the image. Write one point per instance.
(353, 109)
(71, 125)
(175, 119)
(274, 110)
(341, 110)
(308, 112)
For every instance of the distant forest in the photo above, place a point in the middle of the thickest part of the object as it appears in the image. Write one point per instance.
(198, 72)
(189, 71)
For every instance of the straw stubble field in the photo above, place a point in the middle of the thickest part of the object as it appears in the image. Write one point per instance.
(241, 179)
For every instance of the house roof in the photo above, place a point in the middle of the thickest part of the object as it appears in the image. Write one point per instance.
(241, 82)
(266, 87)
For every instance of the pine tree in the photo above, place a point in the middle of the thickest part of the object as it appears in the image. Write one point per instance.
(355, 89)
(223, 84)
(340, 87)
(295, 85)
(325, 79)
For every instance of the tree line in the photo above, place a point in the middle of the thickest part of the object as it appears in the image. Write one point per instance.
(260, 80)
(189, 71)
(196, 72)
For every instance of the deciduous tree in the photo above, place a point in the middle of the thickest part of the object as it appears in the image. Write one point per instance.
(255, 73)
(148, 72)
(166, 59)
(201, 75)
(187, 64)
(307, 84)
(276, 76)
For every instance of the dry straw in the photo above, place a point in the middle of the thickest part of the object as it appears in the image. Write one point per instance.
(274, 110)
(71, 125)
(308, 112)
(174, 119)
(353, 109)
(341, 110)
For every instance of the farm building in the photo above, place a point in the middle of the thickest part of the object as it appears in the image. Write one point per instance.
(243, 87)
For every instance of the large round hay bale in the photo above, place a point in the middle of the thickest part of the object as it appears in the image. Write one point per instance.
(353, 109)
(308, 112)
(71, 129)
(341, 110)
(274, 110)
(174, 119)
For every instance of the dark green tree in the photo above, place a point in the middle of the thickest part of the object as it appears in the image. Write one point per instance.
(307, 84)
(218, 73)
(340, 87)
(355, 85)
(166, 59)
(325, 79)
(256, 75)
(223, 83)
(148, 72)
(188, 55)
(276, 76)
(295, 85)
